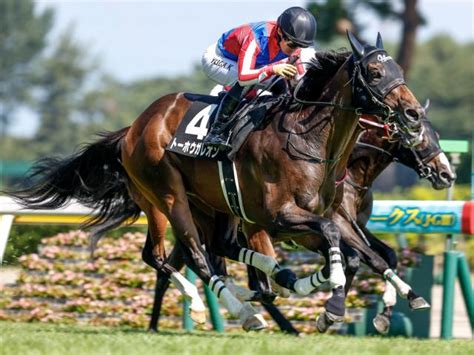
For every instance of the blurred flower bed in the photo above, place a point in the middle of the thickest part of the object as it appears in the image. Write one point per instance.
(61, 284)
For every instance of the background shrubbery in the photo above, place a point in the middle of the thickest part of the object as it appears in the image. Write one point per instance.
(62, 284)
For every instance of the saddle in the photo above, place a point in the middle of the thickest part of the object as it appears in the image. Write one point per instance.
(248, 117)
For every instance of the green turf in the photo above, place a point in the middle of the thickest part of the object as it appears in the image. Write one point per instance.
(21, 338)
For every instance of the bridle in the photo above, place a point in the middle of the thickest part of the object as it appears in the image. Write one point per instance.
(423, 157)
(369, 99)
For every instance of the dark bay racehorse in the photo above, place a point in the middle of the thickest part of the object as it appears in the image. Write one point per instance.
(372, 154)
(287, 171)
(275, 184)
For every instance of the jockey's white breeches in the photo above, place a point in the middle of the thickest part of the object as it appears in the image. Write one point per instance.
(219, 68)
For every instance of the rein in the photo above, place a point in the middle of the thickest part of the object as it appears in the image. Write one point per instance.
(383, 110)
(367, 145)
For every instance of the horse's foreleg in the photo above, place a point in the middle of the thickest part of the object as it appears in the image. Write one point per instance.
(293, 219)
(306, 285)
(309, 284)
(352, 263)
(259, 241)
(416, 302)
(229, 247)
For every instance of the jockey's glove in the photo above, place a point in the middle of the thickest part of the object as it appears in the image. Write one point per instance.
(286, 70)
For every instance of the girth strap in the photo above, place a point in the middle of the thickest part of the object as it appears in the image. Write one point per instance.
(230, 188)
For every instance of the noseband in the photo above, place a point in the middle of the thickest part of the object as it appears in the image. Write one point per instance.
(423, 157)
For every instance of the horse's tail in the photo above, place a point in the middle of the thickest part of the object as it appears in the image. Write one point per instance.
(94, 176)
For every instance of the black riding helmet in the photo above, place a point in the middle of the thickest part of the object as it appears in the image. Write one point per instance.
(299, 25)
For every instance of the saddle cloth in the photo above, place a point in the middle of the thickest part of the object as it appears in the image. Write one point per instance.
(188, 139)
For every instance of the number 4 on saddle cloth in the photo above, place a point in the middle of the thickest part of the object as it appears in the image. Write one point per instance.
(189, 137)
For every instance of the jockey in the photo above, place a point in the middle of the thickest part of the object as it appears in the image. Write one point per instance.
(251, 54)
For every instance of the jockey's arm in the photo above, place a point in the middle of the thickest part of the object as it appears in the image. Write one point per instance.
(248, 75)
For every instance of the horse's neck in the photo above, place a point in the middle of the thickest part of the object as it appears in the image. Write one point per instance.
(330, 132)
(369, 163)
(345, 130)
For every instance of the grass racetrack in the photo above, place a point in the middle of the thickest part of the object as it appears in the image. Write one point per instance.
(28, 338)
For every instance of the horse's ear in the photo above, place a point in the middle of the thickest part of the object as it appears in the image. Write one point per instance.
(357, 47)
(379, 43)
(427, 104)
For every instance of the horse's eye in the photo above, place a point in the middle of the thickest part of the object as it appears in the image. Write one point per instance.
(375, 74)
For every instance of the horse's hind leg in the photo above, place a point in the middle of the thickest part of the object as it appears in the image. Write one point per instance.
(165, 189)
(167, 271)
(175, 260)
(154, 254)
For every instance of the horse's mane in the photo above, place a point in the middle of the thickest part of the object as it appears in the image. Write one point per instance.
(322, 68)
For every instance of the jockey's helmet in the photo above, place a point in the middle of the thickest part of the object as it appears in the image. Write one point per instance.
(298, 25)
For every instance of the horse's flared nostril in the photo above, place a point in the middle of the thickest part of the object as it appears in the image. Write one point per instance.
(447, 176)
(414, 113)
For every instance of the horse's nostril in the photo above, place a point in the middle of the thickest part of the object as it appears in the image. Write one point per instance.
(412, 113)
(446, 176)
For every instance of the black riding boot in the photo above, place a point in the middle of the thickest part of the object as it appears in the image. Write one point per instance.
(220, 128)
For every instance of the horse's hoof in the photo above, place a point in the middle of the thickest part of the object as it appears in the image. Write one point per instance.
(280, 290)
(152, 330)
(241, 293)
(333, 318)
(381, 323)
(419, 304)
(326, 319)
(322, 323)
(198, 316)
(255, 322)
(335, 306)
(285, 278)
(250, 319)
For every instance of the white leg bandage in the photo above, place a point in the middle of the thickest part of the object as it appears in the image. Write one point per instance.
(390, 295)
(267, 264)
(188, 290)
(243, 294)
(308, 284)
(402, 287)
(232, 304)
(337, 278)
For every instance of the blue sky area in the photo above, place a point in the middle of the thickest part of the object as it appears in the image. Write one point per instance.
(142, 39)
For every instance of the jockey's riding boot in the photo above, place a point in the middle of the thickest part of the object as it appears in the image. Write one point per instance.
(220, 128)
